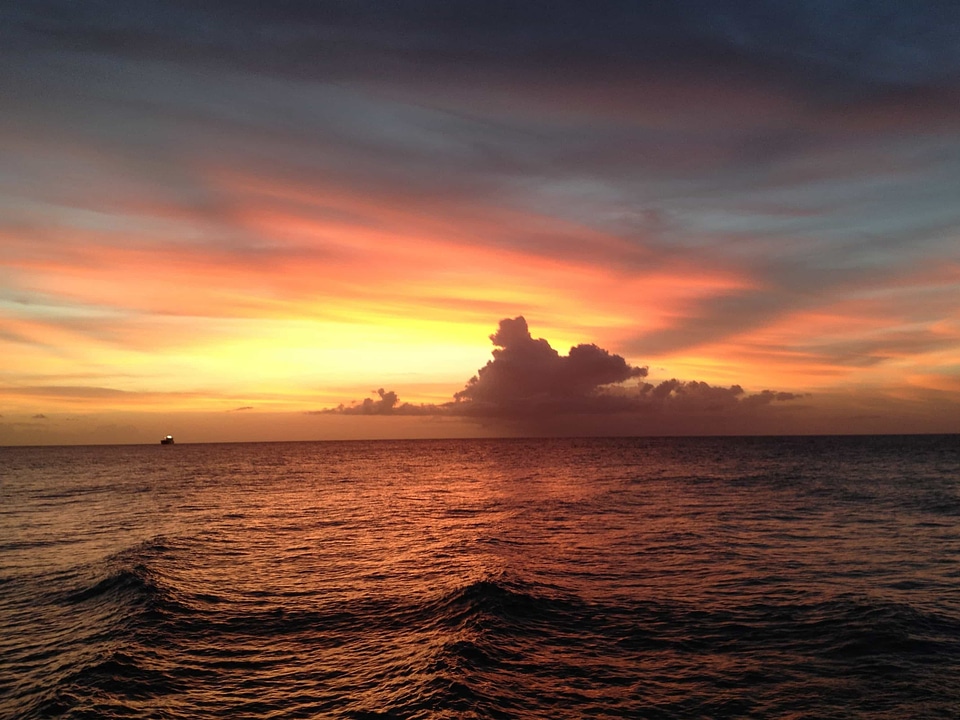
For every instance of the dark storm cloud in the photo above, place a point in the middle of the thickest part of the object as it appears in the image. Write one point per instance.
(527, 381)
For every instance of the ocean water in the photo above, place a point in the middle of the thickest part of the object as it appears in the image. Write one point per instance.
(612, 578)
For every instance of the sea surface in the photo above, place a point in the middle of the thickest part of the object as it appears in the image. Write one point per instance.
(614, 578)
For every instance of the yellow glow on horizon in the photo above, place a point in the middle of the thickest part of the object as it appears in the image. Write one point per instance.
(319, 297)
(395, 306)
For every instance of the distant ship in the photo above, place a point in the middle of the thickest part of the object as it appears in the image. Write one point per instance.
(168, 440)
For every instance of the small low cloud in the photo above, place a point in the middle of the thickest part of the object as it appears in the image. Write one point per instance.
(702, 396)
(384, 406)
(769, 396)
(387, 404)
(39, 416)
(241, 409)
(527, 380)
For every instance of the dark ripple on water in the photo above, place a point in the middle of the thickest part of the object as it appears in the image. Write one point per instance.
(545, 624)
(493, 648)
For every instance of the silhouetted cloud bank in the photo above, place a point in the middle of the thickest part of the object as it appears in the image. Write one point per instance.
(529, 382)
(388, 404)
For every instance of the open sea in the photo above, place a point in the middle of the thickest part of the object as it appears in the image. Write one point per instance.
(807, 577)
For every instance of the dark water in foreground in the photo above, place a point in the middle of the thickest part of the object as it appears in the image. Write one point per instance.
(787, 578)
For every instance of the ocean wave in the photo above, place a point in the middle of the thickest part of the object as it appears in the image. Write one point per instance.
(780, 594)
(132, 581)
(465, 650)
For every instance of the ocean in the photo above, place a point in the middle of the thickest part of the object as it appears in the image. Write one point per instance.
(805, 577)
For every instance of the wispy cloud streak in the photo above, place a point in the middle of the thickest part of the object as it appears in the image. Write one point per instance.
(199, 196)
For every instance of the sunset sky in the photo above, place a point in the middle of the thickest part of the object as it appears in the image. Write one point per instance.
(237, 220)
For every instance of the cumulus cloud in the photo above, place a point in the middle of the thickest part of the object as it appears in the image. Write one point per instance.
(527, 373)
(527, 380)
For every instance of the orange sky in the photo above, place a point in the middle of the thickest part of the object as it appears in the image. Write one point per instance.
(220, 244)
